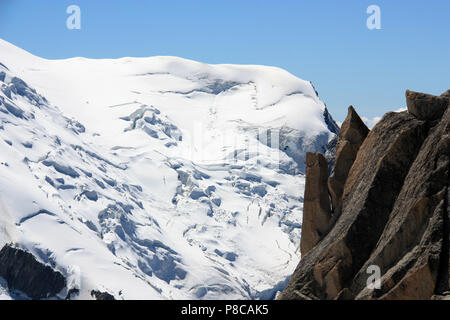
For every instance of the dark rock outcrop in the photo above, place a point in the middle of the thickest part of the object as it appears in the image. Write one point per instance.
(98, 295)
(353, 133)
(331, 124)
(23, 272)
(316, 207)
(71, 293)
(395, 216)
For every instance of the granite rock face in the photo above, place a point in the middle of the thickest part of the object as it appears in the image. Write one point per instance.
(353, 133)
(412, 248)
(426, 106)
(316, 207)
(394, 216)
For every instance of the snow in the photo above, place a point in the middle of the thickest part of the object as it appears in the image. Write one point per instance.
(156, 178)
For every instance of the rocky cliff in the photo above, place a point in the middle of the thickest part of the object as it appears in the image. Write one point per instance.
(23, 273)
(385, 209)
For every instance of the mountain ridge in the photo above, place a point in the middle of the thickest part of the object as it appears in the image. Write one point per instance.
(390, 215)
(155, 181)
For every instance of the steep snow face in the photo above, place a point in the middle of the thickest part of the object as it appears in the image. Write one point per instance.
(156, 178)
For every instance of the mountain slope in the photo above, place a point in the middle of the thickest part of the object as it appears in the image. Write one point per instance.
(156, 178)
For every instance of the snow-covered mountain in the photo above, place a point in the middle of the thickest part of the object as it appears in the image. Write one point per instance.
(156, 178)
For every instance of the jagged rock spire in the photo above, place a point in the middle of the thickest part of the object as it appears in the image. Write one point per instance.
(352, 134)
(395, 215)
(317, 214)
(316, 207)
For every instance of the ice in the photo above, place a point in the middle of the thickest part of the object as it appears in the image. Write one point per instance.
(156, 178)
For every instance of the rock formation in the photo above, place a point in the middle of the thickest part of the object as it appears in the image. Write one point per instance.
(23, 272)
(98, 295)
(318, 214)
(425, 106)
(394, 214)
(316, 206)
(446, 94)
(352, 134)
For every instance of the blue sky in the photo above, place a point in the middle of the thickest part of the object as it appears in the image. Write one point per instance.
(324, 41)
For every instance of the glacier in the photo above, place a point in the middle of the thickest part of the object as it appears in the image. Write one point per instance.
(156, 178)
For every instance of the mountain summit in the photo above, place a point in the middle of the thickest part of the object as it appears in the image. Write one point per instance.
(151, 178)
